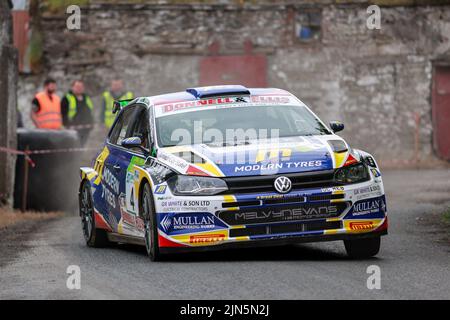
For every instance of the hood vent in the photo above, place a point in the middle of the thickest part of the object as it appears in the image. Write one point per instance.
(338, 146)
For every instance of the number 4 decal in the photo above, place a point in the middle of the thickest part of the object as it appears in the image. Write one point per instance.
(132, 198)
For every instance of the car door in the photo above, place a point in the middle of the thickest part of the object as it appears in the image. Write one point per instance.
(140, 128)
(114, 174)
(123, 160)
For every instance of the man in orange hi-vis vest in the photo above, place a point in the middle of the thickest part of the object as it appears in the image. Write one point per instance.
(46, 109)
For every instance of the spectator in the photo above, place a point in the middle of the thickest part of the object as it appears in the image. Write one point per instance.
(46, 107)
(76, 109)
(117, 92)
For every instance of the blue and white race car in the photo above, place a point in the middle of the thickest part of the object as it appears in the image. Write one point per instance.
(229, 166)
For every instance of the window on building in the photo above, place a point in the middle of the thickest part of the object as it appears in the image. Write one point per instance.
(308, 25)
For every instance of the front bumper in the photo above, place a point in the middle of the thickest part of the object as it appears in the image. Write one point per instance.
(268, 218)
(275, 242)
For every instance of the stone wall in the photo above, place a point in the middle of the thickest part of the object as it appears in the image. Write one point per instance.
(8, 85)
(373, 80)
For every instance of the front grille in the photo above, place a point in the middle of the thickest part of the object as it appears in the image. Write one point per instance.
(241, 204)
(302, 180)
(286, 228)
(325, 197)
(283, 200)
(296, 212)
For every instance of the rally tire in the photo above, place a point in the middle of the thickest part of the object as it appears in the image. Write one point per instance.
(147, 212)
(362, 248)
(94, 237)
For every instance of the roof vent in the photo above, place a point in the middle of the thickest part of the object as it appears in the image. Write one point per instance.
(218, 91)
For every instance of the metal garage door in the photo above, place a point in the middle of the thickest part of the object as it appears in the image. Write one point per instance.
(441, 110)
(249, 70)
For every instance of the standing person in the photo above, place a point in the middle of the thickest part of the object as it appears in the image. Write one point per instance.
(76, 109)
(117, 92)
(46, 107)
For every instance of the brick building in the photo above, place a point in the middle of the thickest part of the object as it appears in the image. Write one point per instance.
(378, 82)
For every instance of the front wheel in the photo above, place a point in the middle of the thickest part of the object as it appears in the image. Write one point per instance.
(147, 211)
(94, 237)
(362, 248)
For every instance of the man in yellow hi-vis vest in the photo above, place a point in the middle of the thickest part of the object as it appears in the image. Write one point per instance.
(77, 110)
(117, 92)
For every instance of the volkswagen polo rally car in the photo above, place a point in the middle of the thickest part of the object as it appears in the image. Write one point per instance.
(229, 166)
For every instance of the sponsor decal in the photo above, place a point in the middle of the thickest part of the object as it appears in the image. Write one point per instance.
(185, 205)
(174, 223)
(197, 103)
(375, 173)
(368, 189)
(110, 180)
(172, 160)
(361, 225)
(369, 206)
(270, 99)
(166, 223)
(207, 238)
(333, 189)
(194, 171)
(127, 218)
(110, 188)
(268, 215)
(160, 189)
(287, 214)
(130, 177)
(112, 220)
(186, 222)
(283, 165)
(368, 192)
(280, 196)
(163, 198)
(273, 154)
(158, 172)
(139, 224)
(172, 107)
(350, 160)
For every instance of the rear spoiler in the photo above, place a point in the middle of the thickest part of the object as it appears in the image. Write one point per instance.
(118, 104)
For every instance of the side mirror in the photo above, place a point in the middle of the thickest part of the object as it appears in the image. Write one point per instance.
(132, 142)
(336, 126)
(116, 107)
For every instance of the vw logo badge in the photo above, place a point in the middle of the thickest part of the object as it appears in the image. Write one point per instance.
(283, 184)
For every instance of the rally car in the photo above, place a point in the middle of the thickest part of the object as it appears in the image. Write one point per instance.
(229, 166)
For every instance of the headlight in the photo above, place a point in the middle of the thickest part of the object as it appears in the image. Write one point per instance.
(352, 174)
(190, 185)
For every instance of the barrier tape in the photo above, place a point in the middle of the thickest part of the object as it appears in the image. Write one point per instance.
(27, 153)
(85, 126)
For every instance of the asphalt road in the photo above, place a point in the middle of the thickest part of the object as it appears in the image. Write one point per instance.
(414, 260)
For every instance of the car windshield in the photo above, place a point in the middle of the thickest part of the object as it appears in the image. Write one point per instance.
(237, 125)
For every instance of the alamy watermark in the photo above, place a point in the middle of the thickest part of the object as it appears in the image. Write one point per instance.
(73, 22)
(374, 19)
(74, 279)
(374, 279)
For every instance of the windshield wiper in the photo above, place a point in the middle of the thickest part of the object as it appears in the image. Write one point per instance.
(228, 143)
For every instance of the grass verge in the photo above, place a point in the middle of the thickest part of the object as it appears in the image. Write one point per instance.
(11, 217)
(446, 216)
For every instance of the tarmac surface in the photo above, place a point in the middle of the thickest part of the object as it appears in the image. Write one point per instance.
(414, 260)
